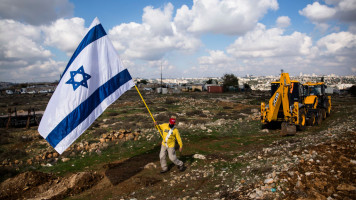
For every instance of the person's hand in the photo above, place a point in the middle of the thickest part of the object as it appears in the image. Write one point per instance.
(155, 123)
(180, 149)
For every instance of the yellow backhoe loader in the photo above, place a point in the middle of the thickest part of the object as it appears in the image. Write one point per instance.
(285, 106)
(317, 103)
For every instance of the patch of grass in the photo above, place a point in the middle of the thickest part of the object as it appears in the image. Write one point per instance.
(194, 112)
(94, 160)
(227, 166)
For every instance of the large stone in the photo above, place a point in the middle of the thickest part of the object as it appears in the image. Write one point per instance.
(130, 136)
(299, 184)
(150, 166)
(253, 195)
(254, 110)
(346, 187)
(199, 156)
(65, 159)
(268, 181)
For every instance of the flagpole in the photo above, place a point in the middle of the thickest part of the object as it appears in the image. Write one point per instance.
(148, 110)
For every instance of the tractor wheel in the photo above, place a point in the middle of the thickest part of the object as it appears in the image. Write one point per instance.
(323, 113)
(319, 117)
(312, 120)
(302, 120)
(328, 110)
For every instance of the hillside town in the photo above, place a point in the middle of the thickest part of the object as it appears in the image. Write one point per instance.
(334, 82)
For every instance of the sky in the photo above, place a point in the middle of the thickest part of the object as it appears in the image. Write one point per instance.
(186, 38)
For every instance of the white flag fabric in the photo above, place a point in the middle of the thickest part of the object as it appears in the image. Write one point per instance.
(93, 79)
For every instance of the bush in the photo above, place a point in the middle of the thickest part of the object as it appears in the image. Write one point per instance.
(195, 112)
(230, 80)
(352, 90)
(171, 100)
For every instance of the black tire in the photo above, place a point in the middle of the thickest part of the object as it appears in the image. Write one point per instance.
(323, 113)
(319, 117)
(302, 120)
(312, 120)
(328, 110)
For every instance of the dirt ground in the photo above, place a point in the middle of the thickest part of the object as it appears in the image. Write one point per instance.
(319, 163)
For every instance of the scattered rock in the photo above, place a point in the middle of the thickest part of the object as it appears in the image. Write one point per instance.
(268, 181)
(345, 187)
(199, 156)
(150, 165)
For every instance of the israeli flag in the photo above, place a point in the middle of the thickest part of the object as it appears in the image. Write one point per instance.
(93, 79)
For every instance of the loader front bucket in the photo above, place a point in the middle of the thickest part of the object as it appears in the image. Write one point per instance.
(288, 129)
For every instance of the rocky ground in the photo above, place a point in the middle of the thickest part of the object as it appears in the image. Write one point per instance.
(227, 154)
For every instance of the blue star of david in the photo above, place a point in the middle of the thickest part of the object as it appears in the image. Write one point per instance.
(76, 84)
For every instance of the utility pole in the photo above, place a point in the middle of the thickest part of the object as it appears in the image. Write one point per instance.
(161, 79)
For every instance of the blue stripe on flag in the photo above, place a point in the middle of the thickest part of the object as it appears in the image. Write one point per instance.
(79, 114)
(95, 33)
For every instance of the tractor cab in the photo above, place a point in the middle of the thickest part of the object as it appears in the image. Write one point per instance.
(317, 103)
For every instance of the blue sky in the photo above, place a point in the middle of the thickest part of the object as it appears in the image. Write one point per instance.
(188, 38)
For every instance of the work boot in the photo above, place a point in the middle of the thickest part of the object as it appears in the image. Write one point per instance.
(164, 171)
(181, 168)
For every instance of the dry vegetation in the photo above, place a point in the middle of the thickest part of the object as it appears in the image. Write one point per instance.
(227, 154)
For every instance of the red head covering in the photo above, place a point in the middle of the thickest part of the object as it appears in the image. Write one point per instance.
(172, 121)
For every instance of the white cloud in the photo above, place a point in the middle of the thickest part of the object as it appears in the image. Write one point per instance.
(48, 70)
(222, 17)
(39, 71)
(283, 21)
(262, 42)
(346, 10)
(65, 34)
(216, 64)
(159, 21)
(216, 58)
(342, 43)
(35, 12)
(20, 41)
(342, 10)
(317, 12)
(23, 54)
(142, 40)
(266, 51)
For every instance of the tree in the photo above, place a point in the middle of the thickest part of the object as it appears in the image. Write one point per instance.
(352, 90)
(247, 87)
(210, 81)
(230, 80)
(143, 81)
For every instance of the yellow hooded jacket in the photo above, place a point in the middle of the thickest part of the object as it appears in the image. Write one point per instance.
(172, 138)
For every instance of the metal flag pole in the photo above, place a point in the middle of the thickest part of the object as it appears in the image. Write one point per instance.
(149, 111)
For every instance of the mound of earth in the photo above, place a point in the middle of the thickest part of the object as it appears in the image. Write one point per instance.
(38, 185)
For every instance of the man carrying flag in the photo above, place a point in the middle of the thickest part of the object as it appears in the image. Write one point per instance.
(170, 134)
(93, 79)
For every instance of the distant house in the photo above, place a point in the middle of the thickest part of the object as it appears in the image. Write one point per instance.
(9, 92)
(215, 89)
(198, 88)
(23, 90)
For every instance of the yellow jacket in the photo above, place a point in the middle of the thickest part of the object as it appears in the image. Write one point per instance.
(172, 138)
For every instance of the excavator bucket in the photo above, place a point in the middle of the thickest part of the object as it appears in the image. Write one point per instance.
(288, 129)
